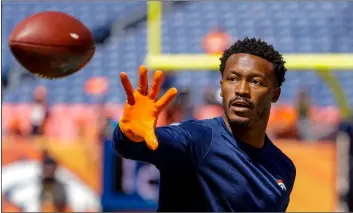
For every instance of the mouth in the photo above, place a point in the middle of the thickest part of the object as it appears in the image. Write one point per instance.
(240, 106)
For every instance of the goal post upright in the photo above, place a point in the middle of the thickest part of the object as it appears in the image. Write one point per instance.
(321, 63)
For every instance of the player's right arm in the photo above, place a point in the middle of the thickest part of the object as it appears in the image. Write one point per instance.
(136, 136)
(175, 146)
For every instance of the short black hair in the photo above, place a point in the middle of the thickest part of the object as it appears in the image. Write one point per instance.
(259, 48)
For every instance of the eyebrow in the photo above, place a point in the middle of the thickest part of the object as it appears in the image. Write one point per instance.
(256, 74)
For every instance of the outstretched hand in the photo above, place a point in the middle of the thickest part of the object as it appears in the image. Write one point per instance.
(142, 108)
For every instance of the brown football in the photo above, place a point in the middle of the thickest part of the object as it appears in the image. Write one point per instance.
(52, 44)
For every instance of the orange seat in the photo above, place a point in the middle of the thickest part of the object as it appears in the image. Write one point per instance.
(282, 121)
(208, 111)
(6, 115)
(17, 115)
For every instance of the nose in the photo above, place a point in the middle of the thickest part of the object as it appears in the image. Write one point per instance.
(242, 89)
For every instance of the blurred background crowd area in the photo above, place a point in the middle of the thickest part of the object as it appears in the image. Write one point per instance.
(119, 29)
(84, 108)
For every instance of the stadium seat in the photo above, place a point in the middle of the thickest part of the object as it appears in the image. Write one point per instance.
(292, 27)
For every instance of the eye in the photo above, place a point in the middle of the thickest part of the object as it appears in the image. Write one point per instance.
(232, 78)
(256, 82)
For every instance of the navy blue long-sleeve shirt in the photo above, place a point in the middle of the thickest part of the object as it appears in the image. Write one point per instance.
(204, 168)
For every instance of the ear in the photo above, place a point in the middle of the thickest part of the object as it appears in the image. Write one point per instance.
(220, 82)
(276, 94)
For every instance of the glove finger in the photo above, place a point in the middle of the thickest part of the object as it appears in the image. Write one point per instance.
(156, 85)
(143, 80)
(128, 88)
(168, 97)
(151, 140)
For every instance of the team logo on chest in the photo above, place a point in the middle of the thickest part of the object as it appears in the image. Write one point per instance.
(281, 184)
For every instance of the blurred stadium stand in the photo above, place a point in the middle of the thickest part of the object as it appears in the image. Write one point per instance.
(120, 32)
(292, 27)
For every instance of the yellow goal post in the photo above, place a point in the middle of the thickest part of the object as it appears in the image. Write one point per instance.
(321, 63)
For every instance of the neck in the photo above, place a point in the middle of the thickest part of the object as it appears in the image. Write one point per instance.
(254, 136)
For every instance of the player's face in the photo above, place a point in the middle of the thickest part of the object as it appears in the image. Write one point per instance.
(248, 87)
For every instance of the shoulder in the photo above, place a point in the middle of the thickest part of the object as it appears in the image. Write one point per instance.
(199, 136)
(193, 122)
(205, 124)
(284, 160)
(193, 127)
(284, 164)
(186, 131)
(198, 129)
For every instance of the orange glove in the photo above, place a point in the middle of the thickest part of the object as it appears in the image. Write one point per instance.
(142, 109)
